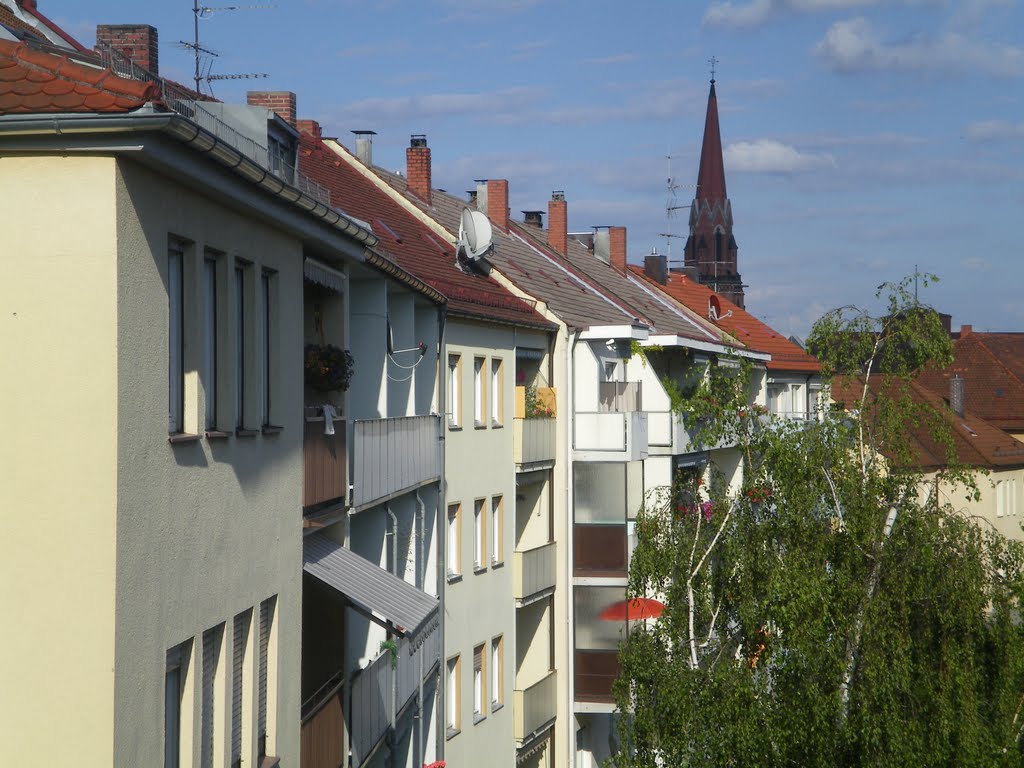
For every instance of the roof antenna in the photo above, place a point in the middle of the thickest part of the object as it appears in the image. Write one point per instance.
(671, 208)
(202, 68)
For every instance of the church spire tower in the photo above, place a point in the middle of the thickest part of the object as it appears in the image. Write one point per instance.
(711, 247)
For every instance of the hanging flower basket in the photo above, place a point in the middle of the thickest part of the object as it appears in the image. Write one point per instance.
(328, 368)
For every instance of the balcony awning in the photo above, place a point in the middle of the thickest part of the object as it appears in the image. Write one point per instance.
(369, 586)
(322, 274)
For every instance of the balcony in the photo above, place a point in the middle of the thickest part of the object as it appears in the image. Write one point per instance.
(534, 707)
(371, 709)
(600, 550)
(668, 434)
(322, 740)
(324, 461)
(533, 442)
(619, 396)
(534, 573)
(595, 672)
(617, 430)
(393, 456)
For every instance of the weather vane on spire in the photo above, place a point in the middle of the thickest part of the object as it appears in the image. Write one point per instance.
(713, 62)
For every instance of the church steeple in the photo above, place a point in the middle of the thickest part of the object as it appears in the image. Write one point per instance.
(711, 247)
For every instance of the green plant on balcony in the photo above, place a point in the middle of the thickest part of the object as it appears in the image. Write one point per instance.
(328, 368)
(536, 408)
(392, 648)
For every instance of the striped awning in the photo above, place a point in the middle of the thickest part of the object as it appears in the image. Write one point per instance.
(322, 274)
(369, 586)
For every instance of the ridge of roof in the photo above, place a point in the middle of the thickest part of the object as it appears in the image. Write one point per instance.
(36, 81)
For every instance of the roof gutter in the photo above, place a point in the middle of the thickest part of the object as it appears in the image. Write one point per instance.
(194, 137)
(389, 267)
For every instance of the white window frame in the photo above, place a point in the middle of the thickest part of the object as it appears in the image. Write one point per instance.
(176, 337)
(479, 683)
(497, 530)
(453, 713)
(454, 391)
(497, 392)
(497, 672)
(479, 393)
(454, 558)
(479, 535)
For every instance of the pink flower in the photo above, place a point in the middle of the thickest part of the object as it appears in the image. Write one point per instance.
(706, 508)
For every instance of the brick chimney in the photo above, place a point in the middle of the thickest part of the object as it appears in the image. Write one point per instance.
(558, 222)
(137, 42)
(965, 330)
(312, 127)
(417, 167)
(497, 202)
(617, 248)
(281, 102)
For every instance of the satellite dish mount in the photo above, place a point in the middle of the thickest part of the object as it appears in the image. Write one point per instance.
(475, 236)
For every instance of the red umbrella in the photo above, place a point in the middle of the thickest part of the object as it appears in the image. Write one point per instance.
(633, 610)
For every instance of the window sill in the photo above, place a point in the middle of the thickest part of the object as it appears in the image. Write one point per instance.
(479, 569)
(242, 432)
(451, 733)
(272, 429)
(478, 718)
(496, 705)
(177, 438)
(216, 434)
(496, 425)
(454, 577)
(479, 425)
(454, 427)
(497, 564)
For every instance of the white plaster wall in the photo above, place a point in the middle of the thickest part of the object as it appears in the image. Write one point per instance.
(207, 529)
(986, 507)
(58, 344)
(533, 643)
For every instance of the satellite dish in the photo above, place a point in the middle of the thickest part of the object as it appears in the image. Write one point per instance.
(474, 234)
(714, 307)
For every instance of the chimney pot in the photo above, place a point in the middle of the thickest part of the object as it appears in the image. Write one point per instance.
(558, 222)
(497, 202)
(364, 146)
(957, 394)
(534, 218)
(417, 167)
(418, 140)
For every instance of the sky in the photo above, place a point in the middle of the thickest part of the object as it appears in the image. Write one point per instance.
(863, 138)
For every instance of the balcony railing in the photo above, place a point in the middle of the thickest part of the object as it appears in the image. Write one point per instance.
(669, 430)
(534, 707)
(600, 550)
(391, 456)
(325, 463)
(371, 690)
(533, 441)
(595, 672)
(534, 571)
(622, 433)
(619, 396)
(322, 741)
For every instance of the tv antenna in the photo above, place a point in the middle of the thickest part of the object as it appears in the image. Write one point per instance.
(204, 56)
(671, 206)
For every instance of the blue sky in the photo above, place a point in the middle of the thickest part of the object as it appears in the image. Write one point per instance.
(861, 137)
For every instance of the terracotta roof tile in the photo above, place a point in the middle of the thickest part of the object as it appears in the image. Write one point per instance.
(46, 82)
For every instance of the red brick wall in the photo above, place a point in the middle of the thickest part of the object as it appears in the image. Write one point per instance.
(281, 102)
(138, 42)
(418, 173)
(497, 202)
(617, 248)
(312, 127)
(558, 224)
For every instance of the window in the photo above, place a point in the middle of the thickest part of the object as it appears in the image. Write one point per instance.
(175, 337)
(240, 645)
(497, 673)
(209, 734)
(497, 393)
(479, 393)
(799, 407)
(267, 677)
(454, 540)
(210, 339)
(453, 714)
(775, 395)
(497, 529)
(479, 684)
(454, 391)
(174, 688)
(479, 536)
(239, 323)
(266, 323)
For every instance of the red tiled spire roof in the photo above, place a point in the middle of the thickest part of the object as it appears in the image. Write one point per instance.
(34, 81)
(711, 176)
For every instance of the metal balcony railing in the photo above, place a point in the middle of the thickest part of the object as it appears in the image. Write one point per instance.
(534, 571)
(324, 461)
(533, 441)
(534, 707)
(390, 456)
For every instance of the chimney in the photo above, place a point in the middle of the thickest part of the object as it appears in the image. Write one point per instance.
(312, 127)
(280, 102)
(617, 248)
(364, 146)
(957, 394)
(497, 202)
(480, 197)
(534, 218)
(137, 42)
(965, 330)
(417, 167)
(602, 244)
(558, 222)
(656, 267)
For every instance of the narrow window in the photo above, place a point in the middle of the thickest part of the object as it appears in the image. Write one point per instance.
(454, 391)
(265, 340)
(454, 540)
(240, 646)
(479, 393)
(497, 525)
(175, 338)
(210, 339)
(453, 715)
(174, 687)
(212, 639)
(497, 394)
(266, 675)
(239, 347)
(479, 536)
(479, 683)
(497, 673)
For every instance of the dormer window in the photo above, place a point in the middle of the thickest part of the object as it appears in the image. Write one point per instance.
(281, 157)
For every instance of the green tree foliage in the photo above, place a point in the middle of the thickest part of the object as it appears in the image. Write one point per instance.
(826, 612)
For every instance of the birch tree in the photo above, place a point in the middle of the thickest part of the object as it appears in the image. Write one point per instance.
(827, 613)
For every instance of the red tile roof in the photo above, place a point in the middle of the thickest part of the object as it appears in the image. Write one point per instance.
(32, 81)
(409, 242)
(992, 367)
(786, 356)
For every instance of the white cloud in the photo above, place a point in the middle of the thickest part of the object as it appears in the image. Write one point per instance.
(770, 156)
(758, 12)
(995, 130)
(976, 264)
(854, 46)
(404, 108)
